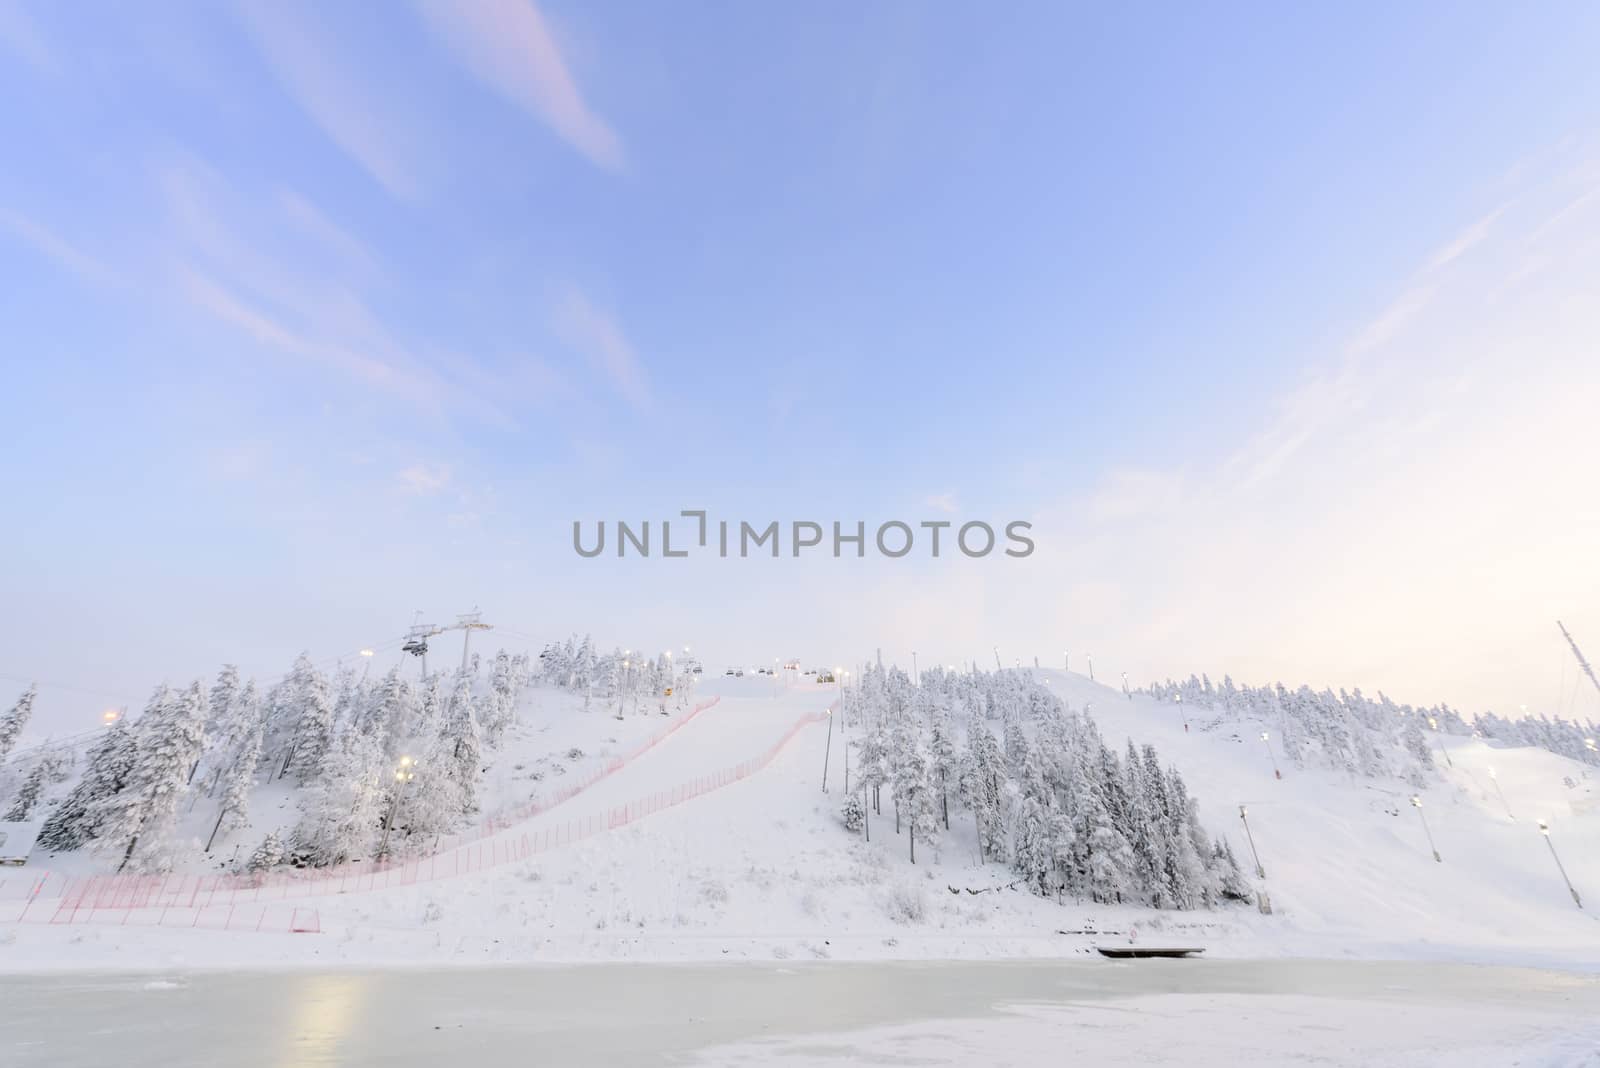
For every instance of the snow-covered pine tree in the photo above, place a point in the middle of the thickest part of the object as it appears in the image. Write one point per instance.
(137, 820)
(982, 778)
(1034, 848)
(220, 740)
(234, 812)
(28, 795)
(341, 811)
(942, 754)
(313, 731)
(105, 773)
(15, 719)
(466, 753)
(267, 855)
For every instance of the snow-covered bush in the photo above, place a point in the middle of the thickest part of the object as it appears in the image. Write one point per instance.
(853, 812)
(268, 855)
(906, 902)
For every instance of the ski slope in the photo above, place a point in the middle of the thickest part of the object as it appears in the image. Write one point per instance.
(761, 868)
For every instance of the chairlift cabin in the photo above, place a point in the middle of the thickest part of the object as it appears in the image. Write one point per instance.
(415, 646)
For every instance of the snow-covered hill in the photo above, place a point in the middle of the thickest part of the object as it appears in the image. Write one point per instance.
(710, 865)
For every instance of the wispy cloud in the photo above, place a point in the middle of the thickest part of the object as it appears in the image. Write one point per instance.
(311, 221)
(51, 245)
(592, 332)
(19, 35)
(943, 502)
(1471, 236)
(425, 479)
(507, 45)
(354, 117)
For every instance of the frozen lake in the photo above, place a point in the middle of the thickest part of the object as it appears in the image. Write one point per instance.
(1225, 1012)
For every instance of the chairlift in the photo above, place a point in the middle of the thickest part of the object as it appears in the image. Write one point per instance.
(415, 646)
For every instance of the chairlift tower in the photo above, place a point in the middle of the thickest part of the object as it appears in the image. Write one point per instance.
(467, 623)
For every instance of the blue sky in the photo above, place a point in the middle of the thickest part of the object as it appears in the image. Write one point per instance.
(320, 314)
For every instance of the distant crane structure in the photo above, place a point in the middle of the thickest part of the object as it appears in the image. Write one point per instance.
(416, 642)
(1582, 663)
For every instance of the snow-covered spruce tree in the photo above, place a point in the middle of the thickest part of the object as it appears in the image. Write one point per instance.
(391, 714)
(1034, 848)
(433, 714)
(1417, 743)
(313, 730)
(234, 811)
(853, 813)
(342, 810)
(466, 754)
(431, 804)
(946, 766)
(982, 779)
(219, 723)
(502, 696)
(27, 795)
(230, 726)
(105, 773)
(15, 719)
(267, 855)
(136, 822)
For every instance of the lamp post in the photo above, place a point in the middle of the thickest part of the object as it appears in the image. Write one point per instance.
(1496, 780)
(1268, 743)
(1544, 829)
(110, 716)
(1416, 803)
(1261, 872)
(828, 751)
(366, 656)
(404, 772)
(1089, 658)
(1125, 691)
(1066, 660)
(1177, 699)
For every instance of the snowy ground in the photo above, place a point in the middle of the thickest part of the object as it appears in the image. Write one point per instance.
(761, 869)
(1148, 1012)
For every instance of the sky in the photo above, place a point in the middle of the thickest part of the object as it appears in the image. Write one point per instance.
(1279, 325)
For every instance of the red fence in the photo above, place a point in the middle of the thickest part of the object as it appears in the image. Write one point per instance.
(231, 917)
(61, 899)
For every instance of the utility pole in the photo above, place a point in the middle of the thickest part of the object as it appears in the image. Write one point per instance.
(1582, 663)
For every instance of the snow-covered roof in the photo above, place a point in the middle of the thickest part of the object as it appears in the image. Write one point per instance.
(16, 840)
